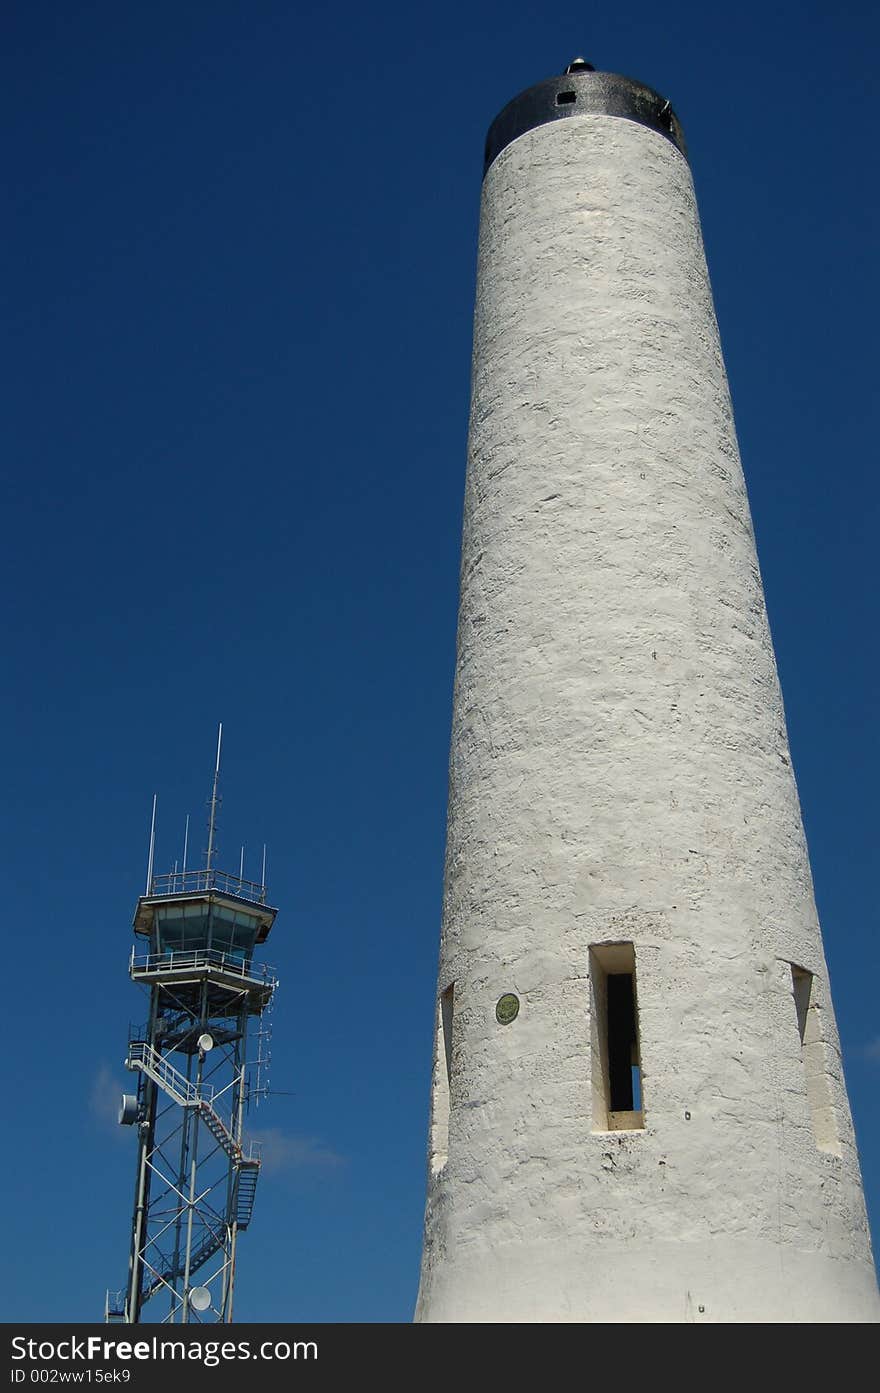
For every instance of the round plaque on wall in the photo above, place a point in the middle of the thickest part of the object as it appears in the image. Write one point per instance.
(507, 1008)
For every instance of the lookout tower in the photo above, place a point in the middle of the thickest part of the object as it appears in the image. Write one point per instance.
(199, 1059)
(638, 1110)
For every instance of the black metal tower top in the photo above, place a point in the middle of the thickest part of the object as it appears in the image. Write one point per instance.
(581, 91)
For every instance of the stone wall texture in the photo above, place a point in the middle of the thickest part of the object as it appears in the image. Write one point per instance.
(620, 772)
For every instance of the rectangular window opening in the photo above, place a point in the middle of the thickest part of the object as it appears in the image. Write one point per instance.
(618, 1103)
(440, 1090)
(565, 98)
(815, 1062)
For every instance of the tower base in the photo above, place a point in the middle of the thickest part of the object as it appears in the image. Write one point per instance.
(736, 1281)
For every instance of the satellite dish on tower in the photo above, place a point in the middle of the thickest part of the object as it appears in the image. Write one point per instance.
(205, 1042)
(199, 1298)
(128, 1110)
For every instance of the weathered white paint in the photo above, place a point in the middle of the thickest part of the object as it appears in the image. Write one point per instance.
(620, 771)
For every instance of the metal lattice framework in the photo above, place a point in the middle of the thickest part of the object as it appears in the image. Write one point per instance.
(196, 1173)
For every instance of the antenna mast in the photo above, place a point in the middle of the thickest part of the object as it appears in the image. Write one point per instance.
(151, 856)
(212, 822)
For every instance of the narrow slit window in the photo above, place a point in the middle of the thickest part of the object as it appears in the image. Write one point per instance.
(618, 1103)
(565, 98)
(813, 1056)
(440, 1091)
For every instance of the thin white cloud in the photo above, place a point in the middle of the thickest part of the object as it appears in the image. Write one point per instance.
(282, 1151)
(104, 1095)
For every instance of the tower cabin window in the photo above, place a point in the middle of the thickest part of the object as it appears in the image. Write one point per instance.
(206, 925)
(615, 1048)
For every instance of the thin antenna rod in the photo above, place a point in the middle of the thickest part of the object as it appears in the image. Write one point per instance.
(241, 866)
(152, 846)
(185, 843)
(213, 822)
(263, 882)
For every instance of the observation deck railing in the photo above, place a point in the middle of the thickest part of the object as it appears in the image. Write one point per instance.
(114, 1307)
(189, 960)
(192, 882)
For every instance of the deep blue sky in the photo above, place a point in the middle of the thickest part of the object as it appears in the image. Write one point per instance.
(240, 266)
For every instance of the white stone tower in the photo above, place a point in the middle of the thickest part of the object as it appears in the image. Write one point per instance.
(638, 1108)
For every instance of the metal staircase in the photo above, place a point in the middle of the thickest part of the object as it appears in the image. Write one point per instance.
(142, 1056)
(248, 1175)
(210, 1245)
